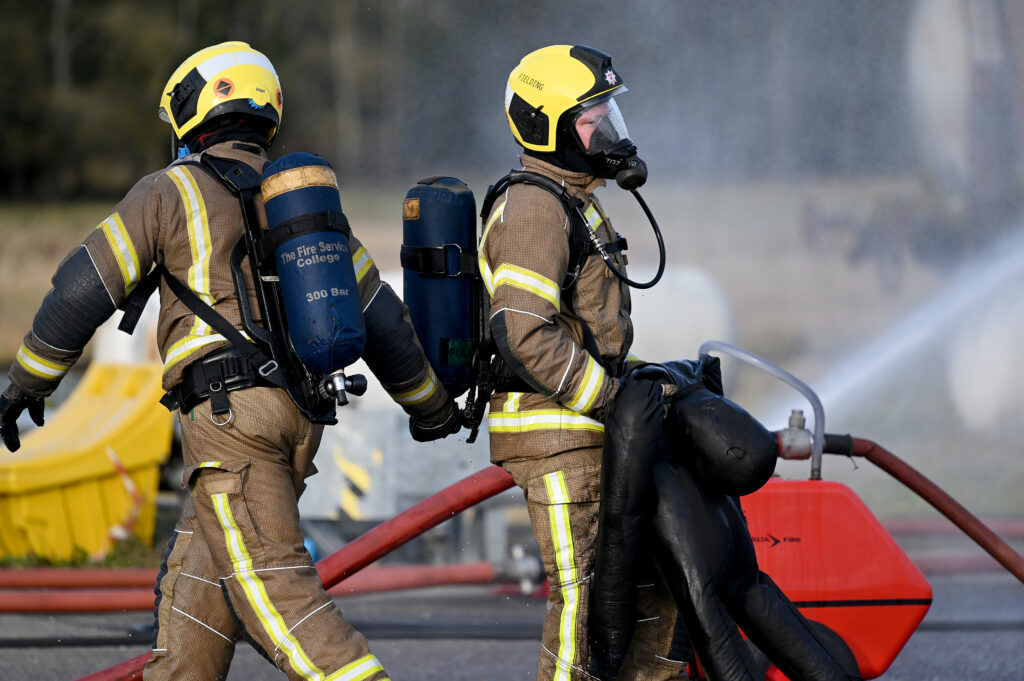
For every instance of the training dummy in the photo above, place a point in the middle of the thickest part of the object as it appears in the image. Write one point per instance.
(677, 455)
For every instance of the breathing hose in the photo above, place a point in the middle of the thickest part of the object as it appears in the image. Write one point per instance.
(599, 245)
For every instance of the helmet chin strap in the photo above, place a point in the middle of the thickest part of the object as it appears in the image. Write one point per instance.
(565, 158)
(175, 144)
(236, 130)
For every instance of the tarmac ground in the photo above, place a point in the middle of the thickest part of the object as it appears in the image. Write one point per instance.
(973, 632)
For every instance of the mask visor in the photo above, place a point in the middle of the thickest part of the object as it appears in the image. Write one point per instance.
(600, 127)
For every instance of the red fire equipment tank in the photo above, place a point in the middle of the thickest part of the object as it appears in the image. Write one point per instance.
(836, 562)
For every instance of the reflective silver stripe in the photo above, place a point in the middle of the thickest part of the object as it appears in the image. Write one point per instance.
(221, 62)
(40, 366)
(256, 592)
(421, 392)
(593, 381)
(361, 262)
(565, 562)
(199, 240)
(526, 280)
(124, 252)
(541, 419)
(485, 270)
(364, 667)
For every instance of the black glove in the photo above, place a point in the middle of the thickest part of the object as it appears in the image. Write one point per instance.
(425, 433)
(12, 403)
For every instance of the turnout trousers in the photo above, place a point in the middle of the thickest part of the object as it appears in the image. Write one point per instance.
(237, 565)
(563, 494)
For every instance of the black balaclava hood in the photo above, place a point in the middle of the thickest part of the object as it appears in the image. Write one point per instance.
(246, 129)
(567, 154)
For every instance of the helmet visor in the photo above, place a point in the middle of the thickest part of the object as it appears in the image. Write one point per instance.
(600, 127)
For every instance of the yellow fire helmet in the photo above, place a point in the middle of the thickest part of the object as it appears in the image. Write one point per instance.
(552, 81)
(223, 79)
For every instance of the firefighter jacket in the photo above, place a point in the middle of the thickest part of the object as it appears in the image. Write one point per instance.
(524, 258)
(184, 218)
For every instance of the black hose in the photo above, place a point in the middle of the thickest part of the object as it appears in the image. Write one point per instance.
(661, 249)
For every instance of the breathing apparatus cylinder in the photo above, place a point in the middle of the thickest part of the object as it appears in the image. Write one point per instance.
(309, 236)
(440, 275)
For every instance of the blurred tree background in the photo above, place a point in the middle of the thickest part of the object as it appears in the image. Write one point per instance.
(392, 90)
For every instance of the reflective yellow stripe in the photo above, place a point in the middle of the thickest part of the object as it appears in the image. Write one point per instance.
(256, 593)
(486, 274)
(512, 402)
(361, 261)
(593, 217)
(565, 562)
(527, 280)
(186, 346)
(211, 464)
(633, 358)
(199, 239)
(593, 381)
(124, 252)
(485, 269)
(40, 366)
(541, 419)
(364, 667)
(421, 393)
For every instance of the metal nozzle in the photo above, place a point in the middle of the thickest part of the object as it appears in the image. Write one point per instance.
(795, 442)
(338, 382)
(340, 385)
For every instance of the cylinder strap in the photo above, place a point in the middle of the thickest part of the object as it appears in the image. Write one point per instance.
(327, 221)
(432, 261)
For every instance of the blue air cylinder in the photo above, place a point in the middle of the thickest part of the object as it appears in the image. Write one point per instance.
(322, 308)
(440, 274)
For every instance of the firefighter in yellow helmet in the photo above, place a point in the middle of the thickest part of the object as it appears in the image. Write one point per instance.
(236, 563)
(560, 320)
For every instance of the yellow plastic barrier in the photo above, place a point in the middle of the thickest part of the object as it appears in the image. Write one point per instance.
(90, 474)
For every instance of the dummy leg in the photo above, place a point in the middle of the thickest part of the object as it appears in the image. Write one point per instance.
(695, 553)
(633, 426)
(787, 638)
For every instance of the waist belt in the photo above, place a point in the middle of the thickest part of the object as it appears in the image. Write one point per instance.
(213, 377)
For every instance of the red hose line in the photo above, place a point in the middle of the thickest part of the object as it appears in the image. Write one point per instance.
(395, 577)
(77, 600)
(945, 504)
(370, 580)
(76, 578)
(412, 522)
(375, 543)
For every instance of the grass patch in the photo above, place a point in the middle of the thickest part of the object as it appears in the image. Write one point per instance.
(130, 552)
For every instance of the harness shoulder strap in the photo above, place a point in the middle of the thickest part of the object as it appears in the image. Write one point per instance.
(236, 177)
(253, 353)
(135, 303)
(579, 244)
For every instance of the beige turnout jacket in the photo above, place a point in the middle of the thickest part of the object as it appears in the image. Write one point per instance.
(524, 257)
(184, 218)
